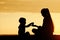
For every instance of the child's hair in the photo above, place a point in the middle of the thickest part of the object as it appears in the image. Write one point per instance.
(22, 20)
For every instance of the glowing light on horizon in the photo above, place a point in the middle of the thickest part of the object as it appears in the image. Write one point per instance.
(9, 21)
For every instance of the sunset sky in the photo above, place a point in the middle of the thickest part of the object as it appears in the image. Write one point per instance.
(12, 10)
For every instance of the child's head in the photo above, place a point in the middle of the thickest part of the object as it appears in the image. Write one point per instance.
(22, 20)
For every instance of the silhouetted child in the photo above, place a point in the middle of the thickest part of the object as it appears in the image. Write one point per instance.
(22, 26)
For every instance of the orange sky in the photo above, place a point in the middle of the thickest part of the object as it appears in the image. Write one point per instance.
(29, 5)
(12, 10)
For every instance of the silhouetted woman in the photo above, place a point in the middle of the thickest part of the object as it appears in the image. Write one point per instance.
(47, 26)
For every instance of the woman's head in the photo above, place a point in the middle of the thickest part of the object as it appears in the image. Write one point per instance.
(45, 12)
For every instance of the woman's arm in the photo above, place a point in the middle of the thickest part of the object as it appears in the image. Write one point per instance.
(35, 25)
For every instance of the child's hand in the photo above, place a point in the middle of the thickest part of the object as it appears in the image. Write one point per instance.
(32, 23)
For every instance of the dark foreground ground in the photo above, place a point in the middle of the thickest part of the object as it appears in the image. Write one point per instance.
(15, 37)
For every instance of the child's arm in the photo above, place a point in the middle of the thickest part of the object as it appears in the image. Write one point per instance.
(29, 24)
